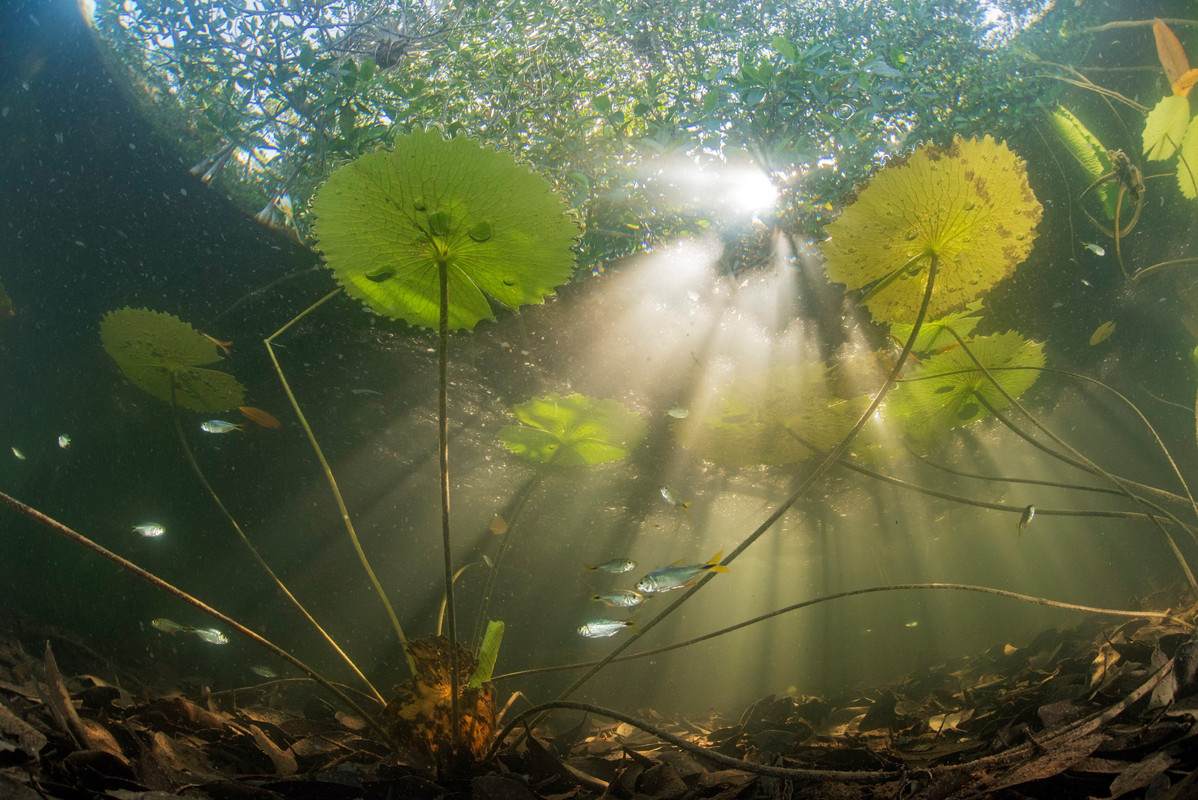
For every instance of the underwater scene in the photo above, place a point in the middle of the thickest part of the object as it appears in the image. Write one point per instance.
(544, 399)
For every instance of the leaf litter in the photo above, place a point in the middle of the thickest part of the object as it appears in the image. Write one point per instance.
(1093, 711)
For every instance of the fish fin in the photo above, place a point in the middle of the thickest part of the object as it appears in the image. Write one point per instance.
(687, 508)
(716, 568)
(715, 559)
(591, 567)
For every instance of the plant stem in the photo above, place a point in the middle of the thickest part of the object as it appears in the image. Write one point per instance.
(154, 580)
(1119, 483)
(328, 473)
(195, 466)
(805, 486)
(443, 462)
(896, 587)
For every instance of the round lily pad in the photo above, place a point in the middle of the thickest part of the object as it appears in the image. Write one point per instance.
(150, 347)
(387, 221)
(573, 430)
(968, 206)
(749, 420)
(948, 390)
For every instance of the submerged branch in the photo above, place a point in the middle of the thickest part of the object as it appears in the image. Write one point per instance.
(897, 587)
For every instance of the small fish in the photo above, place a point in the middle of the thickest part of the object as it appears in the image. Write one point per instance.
(64, 441)
(1029, 514)
(1094, 248)
(167, 625)
(625, 598)
(261, 418)
(487, 560)
(678, 412)
(912, 624)
(20, 456)
(678, 576)
(498, 525)
(675, 501)
(264, 672)
(615, 566)
(1102, 333)
(210, 635)
(219, 426)
(602, 628)
(364, 391)
(150, 530)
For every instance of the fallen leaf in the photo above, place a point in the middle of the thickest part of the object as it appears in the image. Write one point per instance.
(1169, 50)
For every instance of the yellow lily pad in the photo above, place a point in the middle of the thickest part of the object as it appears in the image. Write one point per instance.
(1165, 127)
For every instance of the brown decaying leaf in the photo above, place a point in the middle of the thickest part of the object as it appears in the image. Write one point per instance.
(1169, 50)
(261, 418)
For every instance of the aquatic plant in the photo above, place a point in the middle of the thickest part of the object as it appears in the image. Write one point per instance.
(1089, 154)
(967, 207)
(167, 358)
(947, 391)
(573, 430)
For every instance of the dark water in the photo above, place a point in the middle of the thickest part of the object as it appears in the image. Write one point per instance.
(96, 214)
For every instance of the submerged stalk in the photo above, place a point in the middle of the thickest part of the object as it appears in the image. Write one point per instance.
(443, 464)
(78, 538)
(808, 482)
(195, 466)
(328, 473)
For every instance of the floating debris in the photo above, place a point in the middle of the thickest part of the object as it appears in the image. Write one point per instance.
(1102, 333)
(20, 456)
(498, 526)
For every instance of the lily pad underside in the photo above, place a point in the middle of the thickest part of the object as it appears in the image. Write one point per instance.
(948, 390)
(968, 206)
(937, 334)
(573, 430)
(388, 222)
(750, 421)
(152, 349)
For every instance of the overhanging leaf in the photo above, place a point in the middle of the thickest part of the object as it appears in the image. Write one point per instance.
(1088, 153)
(1187, 162)
(948, 390)
(573, 431)
(153, 348)
(969, 206)
(387, 220)
(1165, 127)
(1169, 50)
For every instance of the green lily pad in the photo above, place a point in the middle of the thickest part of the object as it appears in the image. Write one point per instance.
(1088, 153)
(748, 421)
(386, 221)
(968, 206)
(1187, 162)
(1165, 127)
(573, 431)
(935, 334)
(948, 390)
(150, 347)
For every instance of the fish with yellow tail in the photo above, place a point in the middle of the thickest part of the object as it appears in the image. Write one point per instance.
(677, 502)
(678, 576)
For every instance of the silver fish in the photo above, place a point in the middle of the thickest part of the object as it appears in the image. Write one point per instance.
(673, 499)
(210, 635)
(625, 598)
(64, 441)
(678, 412)
(602, 628)
(218, 426)
(20, 456)
(616, 566)
(264, 672)
(1094, 248)
(150, 530)
(677, 576)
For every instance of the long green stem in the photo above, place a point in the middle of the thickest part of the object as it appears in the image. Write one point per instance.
(328, 473)
(78, 538)
(443, 462)
(804, 487)
(1086, 463)
(195, 466)
(894, 587)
